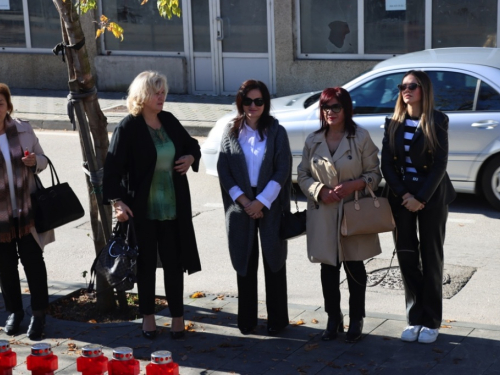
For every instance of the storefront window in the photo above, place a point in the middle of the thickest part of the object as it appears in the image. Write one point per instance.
(328, 26)
(12, 32)
(45, 24)
(395, 30)
(145, 29)
(464, 23)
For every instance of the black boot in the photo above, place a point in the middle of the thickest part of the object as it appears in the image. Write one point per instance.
(334, 325)
(13, 322)
(355, 330)
(36, 327)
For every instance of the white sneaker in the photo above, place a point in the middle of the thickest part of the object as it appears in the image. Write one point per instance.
(428, 335)
(410, 333)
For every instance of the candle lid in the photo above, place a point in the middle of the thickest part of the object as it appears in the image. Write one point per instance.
(4, 346)
(161, 357)
(91, 351)
(41, 349)
(123, 353)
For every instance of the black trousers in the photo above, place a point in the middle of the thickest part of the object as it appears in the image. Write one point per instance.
(31, 255)
(356, 281)
(421, 263)
(159, 238)
(276, 293)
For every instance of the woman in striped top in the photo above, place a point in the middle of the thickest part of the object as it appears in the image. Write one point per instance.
(414, 160)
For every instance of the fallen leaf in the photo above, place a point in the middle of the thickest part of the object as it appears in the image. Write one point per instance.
(310, 347)
(93, 321)
(166, 324)
(314, 321)
(216, 309)
(71, 346)
(437, 350)
(450, 320)
(445, 326)
(297, 323)
(26, 290)
(220, 297)
(198, 295)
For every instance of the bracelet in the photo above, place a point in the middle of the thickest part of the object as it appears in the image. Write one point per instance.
(113, 201)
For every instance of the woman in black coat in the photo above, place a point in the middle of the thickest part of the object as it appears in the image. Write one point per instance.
(145, 177)
(414, 160)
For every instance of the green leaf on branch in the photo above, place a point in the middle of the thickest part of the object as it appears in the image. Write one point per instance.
(83, 6)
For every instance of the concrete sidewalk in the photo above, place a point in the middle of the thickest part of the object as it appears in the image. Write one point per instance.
(47, 109)
(214, 344)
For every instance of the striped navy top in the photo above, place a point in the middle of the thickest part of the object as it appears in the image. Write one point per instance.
(411, 125)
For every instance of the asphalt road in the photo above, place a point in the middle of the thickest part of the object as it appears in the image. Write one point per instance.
(472, 248)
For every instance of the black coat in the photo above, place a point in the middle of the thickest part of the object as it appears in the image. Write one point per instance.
(436, 189)
(129, 169)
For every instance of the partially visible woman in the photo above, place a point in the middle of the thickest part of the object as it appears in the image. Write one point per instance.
(145, 177)
(414, 160)
(21, 156)
(254, 169)
(338, 159)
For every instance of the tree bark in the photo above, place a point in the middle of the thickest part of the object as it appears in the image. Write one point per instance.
(81, 81)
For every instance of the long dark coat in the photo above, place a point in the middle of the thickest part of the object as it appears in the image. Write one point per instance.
(233, 170)
(129, 169)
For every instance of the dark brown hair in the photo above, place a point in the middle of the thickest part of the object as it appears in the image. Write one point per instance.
(4, 90)
(344, 99)
(265, 119)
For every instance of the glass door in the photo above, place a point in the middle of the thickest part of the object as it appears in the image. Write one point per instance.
(230, 43)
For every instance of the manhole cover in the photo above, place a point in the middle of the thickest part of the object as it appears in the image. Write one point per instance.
(393, 279)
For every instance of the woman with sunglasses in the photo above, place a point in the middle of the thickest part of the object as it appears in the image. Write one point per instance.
(254, 169)
(414, 159)
(338, 159)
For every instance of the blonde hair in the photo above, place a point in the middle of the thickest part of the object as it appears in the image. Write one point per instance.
(145, 85)
(5, 91)
(426, 119)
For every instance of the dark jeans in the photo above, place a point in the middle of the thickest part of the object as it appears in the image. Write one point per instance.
(31, 256)
(159, 238)
(421, 263)
(356, 281)
(276, 293)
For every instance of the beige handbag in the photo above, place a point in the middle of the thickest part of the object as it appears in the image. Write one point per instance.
(368, 215)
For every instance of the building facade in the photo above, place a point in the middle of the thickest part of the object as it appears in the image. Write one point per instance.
(292, 45)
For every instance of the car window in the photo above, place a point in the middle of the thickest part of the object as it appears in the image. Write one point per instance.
(488, 98)
(453, 91)
(311, 100)
(377, 96)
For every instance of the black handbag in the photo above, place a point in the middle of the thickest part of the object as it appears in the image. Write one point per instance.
(117, 261)
(56, 205)
(293, 224)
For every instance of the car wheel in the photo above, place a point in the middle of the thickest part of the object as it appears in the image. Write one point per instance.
(491, 182)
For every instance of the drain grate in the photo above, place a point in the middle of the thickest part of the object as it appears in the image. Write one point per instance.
(393, 279)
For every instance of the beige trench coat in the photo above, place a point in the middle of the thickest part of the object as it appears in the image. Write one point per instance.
(356, 157)
(29, 141)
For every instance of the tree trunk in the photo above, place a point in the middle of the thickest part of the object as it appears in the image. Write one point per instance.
(81, 81)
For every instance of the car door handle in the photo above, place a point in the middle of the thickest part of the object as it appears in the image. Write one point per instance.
(220, 32)
(487, 124)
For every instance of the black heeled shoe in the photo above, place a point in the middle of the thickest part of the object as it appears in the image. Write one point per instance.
(13, 322)
(149, 334)
(355, 330)
(36, 327)
(333, 327)
(178, 334)
(247, 330)
(273, 330)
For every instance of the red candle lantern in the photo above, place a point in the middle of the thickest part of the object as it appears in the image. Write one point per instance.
(162, 364)
(92, 361)
(123, 362)
(41, 361)
(8, 359)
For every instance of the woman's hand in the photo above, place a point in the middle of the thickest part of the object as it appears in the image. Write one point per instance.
(254, 209)
(183, 163)
(348, 187)
(411, 204)
(29, 160)
(122, 211)
(327, 195)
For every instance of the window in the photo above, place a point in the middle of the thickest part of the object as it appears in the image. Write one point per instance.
(377, 96)
(488, 99)
(453, 91)
(145, 29)
(44, 25)
(329, 29)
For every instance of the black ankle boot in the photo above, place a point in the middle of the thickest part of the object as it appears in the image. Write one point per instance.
(36, 327)
(13, 322)
(333, 326)
(355, 330)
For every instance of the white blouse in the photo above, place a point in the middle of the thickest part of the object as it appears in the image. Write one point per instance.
(4, 147)
(253, 149)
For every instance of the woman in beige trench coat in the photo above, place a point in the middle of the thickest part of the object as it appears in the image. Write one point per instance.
(337, 160)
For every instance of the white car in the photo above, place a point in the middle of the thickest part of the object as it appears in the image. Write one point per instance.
(466, 87)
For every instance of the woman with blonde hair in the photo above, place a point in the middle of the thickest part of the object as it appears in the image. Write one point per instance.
(414, 160)
(145, 178)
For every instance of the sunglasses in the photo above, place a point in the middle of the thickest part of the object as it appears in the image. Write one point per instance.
(410, 86)
(247, 102)
(334, 108)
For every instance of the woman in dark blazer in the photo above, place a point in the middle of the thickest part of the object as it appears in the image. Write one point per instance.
(414, 160)
(254, 169)
(145, 177)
